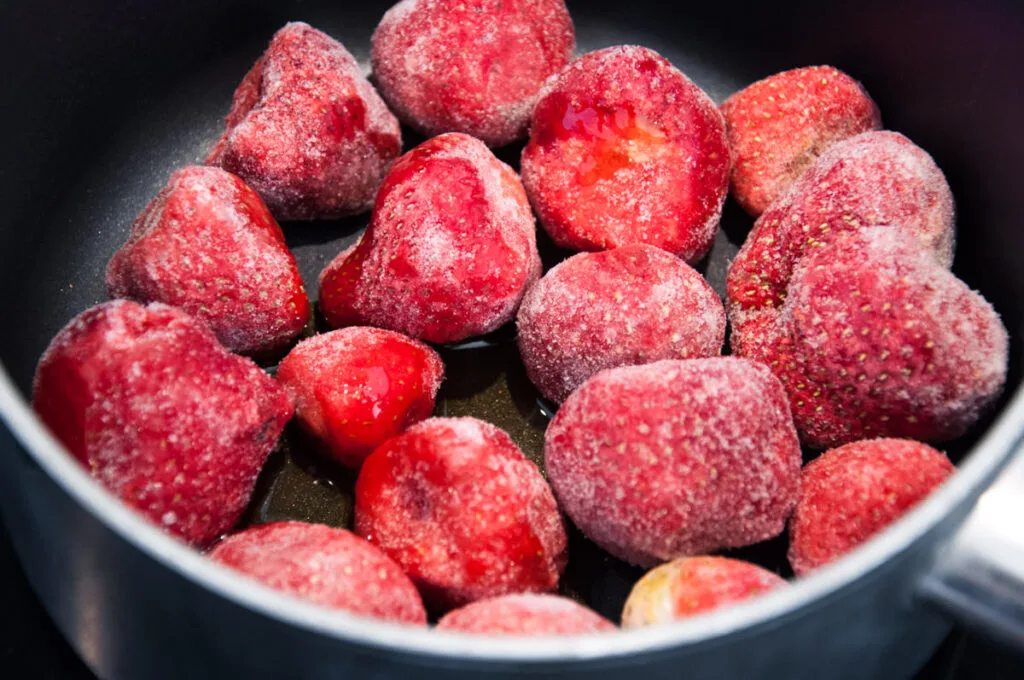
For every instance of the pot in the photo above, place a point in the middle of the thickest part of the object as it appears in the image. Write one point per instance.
(105, 99)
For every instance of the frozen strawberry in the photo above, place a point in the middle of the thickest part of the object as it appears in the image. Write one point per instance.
(356, 388)
(326, 566)
(675, 458)
(876, 338)
(631, 305)
(877, 178)
(161, 414)
(626, 149)
(449, 252)
(778, 127)
(694, 585)
(307, 130)
(526, 614)
(472, 66)
(851, 493)
(208, 244)
(461, 509)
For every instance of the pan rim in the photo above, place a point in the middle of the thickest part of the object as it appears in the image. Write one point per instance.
(985, 459)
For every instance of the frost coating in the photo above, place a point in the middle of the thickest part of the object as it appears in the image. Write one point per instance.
(631, 305)
(208, 244)
(449, 252)
(877, 338)
(525, 614)
(307, 130)
(853, 492)
(779, 126)
(161, 414)
(877, 178)
(675, 458)
(472, 66)
(326, 566)
(457, 504)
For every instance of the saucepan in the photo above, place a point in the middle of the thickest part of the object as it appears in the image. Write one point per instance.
(102, 100)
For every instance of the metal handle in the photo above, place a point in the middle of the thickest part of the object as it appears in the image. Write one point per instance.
(979, 576)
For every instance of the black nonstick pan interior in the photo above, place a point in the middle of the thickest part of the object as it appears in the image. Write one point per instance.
(132, 90)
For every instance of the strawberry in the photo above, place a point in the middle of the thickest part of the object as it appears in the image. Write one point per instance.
(626, 149)
(871, 179)
(356, 388)
(631, 305)
(472, 66)
(876, 338)
(675, 458)
(307, 130)
(525, 614)
(851, 493)
(778, 126)
(449, 252)
(694, 585)
(461, 509)
(326, 566)
(161, 414)
(208, 244)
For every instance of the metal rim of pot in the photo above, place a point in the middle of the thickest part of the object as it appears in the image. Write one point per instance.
(995, 449)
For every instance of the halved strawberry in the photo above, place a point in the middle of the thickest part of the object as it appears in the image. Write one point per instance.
(625, 149)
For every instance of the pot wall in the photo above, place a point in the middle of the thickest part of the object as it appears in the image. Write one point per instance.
(131, 617)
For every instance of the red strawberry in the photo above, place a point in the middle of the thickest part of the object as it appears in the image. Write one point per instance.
(208, 244)
(525, 614)
(341, 285)
(161, 414)
(326, 566)
(472, 66)
(778, 127)
(307, 130)
(631, 305)
(461, 509)
(356, 388)
(625, 149)
(675, 458)
(694, 585)
(876, 338)
(449, 252)
(871, 179)
(851, 493)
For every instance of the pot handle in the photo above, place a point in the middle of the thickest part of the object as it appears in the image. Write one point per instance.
(979, 576)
